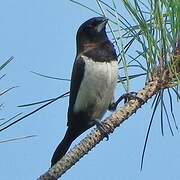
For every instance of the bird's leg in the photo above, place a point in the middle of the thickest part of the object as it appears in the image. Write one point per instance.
(101, 127)
(127, 97)
(112, 105)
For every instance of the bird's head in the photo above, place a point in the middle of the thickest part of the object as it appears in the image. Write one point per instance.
(92, 31)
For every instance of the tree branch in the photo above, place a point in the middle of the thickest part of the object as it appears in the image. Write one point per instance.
(92, 139)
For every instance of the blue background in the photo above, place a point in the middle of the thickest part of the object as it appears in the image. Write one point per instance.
(41, 36)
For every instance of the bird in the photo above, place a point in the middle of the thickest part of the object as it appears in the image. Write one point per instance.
(93, 82)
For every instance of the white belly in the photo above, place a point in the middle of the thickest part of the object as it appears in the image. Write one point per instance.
(97, 87)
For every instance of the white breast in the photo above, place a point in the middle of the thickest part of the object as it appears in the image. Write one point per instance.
(97, 87)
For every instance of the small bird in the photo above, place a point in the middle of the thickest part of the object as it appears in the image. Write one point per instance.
(93, 81)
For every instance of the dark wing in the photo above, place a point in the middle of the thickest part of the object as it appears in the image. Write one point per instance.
(76, 78)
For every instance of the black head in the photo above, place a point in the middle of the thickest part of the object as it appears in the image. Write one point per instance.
(92, 31)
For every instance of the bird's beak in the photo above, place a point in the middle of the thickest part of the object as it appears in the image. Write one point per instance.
(101, 25)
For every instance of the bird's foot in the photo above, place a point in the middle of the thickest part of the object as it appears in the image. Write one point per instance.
(102, 128)
(131, 95)
(127, 97)
(112, 106)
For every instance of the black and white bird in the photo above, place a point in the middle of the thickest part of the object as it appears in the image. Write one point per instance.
(93, 81)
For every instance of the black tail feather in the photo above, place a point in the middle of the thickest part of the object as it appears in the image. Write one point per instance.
(60, 151)
(70, 136)
(75, 129)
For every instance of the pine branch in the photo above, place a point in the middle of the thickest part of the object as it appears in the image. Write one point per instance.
(94, 138)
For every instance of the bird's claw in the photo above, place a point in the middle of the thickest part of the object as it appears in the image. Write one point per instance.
(127, 97)
(112, 106)
(102, 128)
(132, 95)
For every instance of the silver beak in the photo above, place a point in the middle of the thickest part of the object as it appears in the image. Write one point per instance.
(102, 25)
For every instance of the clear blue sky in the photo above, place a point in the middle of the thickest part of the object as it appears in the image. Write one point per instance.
(41, 36)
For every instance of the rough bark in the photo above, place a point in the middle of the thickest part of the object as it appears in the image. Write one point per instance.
(94, 138)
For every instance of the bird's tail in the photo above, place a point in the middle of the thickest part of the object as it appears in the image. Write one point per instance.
(64, 145)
